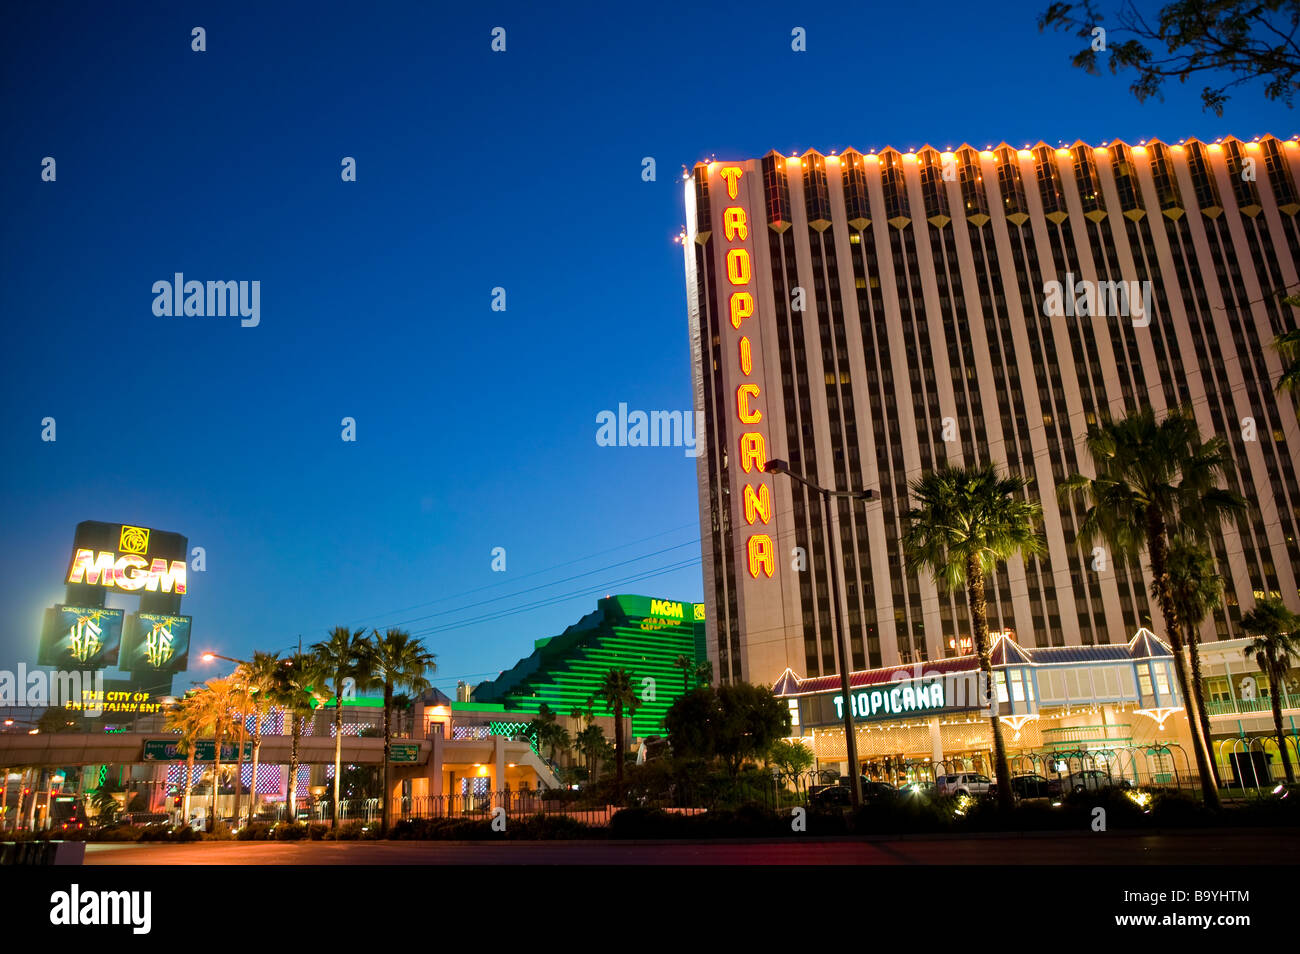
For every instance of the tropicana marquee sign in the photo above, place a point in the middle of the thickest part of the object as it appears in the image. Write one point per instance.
(757, 501)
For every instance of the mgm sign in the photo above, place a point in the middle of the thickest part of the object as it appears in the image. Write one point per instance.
(82, 633)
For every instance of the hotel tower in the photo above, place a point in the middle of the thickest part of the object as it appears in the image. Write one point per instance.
(870, 317)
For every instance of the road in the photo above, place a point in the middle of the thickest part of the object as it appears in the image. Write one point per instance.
(1222, 847)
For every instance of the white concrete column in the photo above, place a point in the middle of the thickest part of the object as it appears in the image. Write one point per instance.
(498, 766)
(435, 764)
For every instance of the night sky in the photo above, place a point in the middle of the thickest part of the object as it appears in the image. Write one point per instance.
(475, 169)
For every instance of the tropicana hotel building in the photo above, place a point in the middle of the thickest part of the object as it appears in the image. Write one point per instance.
(870, 317)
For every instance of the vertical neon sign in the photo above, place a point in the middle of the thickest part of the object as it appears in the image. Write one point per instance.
(753, 447)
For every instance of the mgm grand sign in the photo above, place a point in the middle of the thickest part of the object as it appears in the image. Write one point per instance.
(83, 633)
(904, 697)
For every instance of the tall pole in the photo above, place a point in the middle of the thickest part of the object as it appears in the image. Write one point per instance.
(841, 640)
(842, 647)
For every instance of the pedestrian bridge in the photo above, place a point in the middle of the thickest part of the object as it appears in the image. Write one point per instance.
(437, 760)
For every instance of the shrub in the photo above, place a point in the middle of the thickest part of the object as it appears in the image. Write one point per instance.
(356, 831)
(1174, 809)
(644, 823)
(547, 828)
(289, 831)
(121, 833)
(255, 831)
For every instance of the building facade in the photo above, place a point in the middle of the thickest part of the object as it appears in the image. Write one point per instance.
(872, 317)
(644, 635)
(1064, 709)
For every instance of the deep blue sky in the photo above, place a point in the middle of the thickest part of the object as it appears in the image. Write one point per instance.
(475, 169)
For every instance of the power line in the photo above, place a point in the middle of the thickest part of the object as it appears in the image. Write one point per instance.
(524, 576)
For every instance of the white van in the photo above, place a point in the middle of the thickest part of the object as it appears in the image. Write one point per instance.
(963, 783)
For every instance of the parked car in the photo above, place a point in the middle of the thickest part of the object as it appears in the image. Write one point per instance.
(1092, 781)
(964, 783)
(841, 795)
(831, 796)
(1031, 785)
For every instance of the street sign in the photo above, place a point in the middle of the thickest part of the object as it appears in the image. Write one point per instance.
(165, 750)
(403, 751)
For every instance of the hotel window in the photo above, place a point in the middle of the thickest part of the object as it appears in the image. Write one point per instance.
(794, 712)
(1162, 678)
(1001, 679)
(1018, 686)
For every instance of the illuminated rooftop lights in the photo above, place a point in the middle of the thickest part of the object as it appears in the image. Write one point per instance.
(1215, 147)
(1178, 149)
(1139, 150)
(1101, 150)
(874, 158)
(986, 154)
(1062, 152)
(1252, 147)
(1025, 154)
(1291, 144)
(909, 157)
(712, 163)
(947, 156)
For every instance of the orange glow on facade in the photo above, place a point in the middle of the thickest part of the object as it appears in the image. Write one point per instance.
(739, 268)
(742, 306)
(747, 414)
(758, 505)
(732, 176)
(753, 451)
(762, 555)
(733, 224)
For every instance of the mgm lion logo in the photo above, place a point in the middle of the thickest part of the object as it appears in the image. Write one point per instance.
(134, 540)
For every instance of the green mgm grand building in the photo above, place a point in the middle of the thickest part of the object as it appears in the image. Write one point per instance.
(641, 634)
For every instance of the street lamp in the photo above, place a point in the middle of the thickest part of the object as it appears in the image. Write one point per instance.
(841, 641)
(208, 657)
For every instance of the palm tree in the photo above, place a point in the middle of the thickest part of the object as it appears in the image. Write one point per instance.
(617, 693)
(395, 660)
(1287, 345)
(1197, 590)
(704, 673)
(260, 679)
(592, 744)
(1157, 479)
(299, 686)
(1276, 648)
(244, 707)
(340, 655)
(217, 702)
(687, 665)
(969, 520)
(550, 734)
(187, 718)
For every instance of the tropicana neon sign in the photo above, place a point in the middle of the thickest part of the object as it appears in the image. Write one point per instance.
(128, 572)
(753, 448)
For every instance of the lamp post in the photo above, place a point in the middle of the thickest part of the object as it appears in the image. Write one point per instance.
(841, 640)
